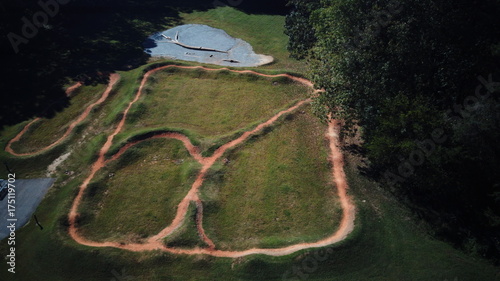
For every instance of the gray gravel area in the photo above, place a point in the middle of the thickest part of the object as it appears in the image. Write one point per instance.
(230, 51)
(28, 195)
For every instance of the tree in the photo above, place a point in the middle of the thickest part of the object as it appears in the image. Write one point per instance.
(299, 28)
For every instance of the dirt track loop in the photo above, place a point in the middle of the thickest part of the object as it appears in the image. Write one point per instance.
(155, 242)
(112, 81)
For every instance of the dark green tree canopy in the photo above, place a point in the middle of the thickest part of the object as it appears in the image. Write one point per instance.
(299, 28)
(405, 71)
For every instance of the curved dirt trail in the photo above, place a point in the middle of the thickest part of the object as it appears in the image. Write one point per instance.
(155, 242)
(112, 81)
(193, 150)
(207, 163)
(199, 225)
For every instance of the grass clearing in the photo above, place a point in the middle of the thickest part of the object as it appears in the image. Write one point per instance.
(46, 131)
(137, 195)
(277, 189)
(210, 103)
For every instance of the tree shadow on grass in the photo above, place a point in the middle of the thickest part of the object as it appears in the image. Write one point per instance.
(276, 7)
(85, 41)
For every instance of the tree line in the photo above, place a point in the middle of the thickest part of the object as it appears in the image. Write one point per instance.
(420, 80)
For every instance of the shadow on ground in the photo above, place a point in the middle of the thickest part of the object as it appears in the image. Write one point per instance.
(84, 40)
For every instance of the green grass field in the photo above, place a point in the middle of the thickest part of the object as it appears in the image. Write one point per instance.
(141, 195)
(387, 245)
(276, 190)
(124, 195)
(211, 103)
(263, 197)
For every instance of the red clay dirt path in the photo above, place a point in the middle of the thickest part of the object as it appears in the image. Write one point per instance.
(112, 81)
(155, 242)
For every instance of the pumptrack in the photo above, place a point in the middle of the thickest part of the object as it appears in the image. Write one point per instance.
(155, 242)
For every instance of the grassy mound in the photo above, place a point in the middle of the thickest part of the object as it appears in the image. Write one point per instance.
(137, 195)
(277, 189)
(210, 103)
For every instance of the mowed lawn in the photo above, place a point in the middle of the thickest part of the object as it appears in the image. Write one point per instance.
(277, 190)
(137, 196)
(211, 103)
(46, 131)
